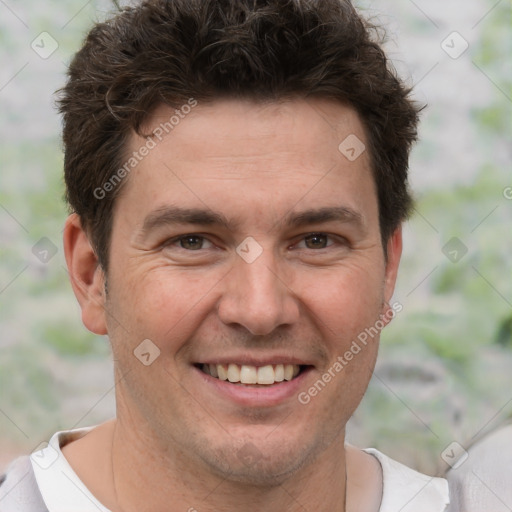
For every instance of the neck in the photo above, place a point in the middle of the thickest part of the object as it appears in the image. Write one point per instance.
(148, 476)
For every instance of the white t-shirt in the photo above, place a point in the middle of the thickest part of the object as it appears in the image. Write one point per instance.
(404, 489)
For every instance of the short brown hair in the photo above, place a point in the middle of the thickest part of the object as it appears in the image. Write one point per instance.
(168, 51)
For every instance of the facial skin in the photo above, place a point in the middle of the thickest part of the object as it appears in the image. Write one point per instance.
(257, 166)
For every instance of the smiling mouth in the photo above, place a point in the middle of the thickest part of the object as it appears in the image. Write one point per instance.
(253, 375)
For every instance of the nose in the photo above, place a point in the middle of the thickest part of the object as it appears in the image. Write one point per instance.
(257, 297)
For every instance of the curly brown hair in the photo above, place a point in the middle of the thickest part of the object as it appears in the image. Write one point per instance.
(169, 51)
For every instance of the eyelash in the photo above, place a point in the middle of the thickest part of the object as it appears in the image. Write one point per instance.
(335, 239)
(176, 240)
(319, 234)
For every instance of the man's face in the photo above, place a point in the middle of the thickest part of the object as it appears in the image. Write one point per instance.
(183, 274)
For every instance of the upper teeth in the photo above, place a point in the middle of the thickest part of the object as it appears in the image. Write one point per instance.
(248, 374)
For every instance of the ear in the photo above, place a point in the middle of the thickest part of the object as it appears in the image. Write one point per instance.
(394, 252)
(86, 274)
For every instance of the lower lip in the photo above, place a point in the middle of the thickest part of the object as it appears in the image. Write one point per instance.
(260, 396)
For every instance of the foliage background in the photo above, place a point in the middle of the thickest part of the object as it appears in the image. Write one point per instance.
(445, 361)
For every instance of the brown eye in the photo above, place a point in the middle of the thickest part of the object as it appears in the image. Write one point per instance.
(316, 241)
(191, 242)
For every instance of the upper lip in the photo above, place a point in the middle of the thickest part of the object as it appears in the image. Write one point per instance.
(256, 360)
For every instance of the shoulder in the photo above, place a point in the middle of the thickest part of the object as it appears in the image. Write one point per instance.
(19, 491)
(481, 479)
(408, 490)
(30, 481)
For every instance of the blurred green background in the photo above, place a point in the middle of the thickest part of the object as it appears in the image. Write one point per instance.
(445, 365)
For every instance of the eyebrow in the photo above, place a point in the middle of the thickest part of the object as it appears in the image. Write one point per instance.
(170, 215)
(326, 214)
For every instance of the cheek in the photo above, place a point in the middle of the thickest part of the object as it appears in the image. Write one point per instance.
(344, 301)
(344, 305)
(162, 305)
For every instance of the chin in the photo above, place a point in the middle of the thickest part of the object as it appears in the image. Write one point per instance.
(260, 463)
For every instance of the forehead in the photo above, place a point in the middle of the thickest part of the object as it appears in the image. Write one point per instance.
(241, 155)
(238, 129)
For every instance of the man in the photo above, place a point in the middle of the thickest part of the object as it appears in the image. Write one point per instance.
(237, 173)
